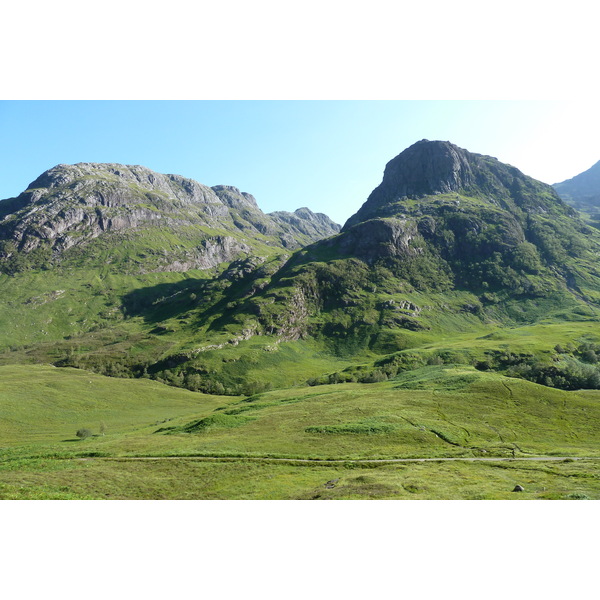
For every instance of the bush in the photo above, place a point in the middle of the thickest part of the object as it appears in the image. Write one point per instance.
(83, 433)
(484, 365)
(374, 377)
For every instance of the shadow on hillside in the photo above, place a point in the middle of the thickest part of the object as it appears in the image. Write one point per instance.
(164, 301)
(195, 299)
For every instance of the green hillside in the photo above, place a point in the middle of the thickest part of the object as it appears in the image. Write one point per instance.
(44, 404)
(450, 244)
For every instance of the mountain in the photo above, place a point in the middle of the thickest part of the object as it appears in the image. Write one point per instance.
(432, 168)
(451, 242)
(131, 273)
(315, 226)
(447, 221)
(583, 190)
(483, 223)
(168, 222)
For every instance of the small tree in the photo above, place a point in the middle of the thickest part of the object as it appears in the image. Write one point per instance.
(83, 433)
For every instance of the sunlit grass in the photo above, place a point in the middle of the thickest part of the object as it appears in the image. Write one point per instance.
(434, 412)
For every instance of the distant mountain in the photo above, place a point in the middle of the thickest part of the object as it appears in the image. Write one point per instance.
(583, 190)
(169, 222)
(315, 226)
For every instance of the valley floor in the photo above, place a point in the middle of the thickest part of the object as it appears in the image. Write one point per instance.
(441, 432)
(242, 479)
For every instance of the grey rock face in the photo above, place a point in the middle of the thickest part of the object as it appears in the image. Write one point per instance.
(130, 177)
(315, 226)
(233, 197)
(424, 168)
(429, 168)
(377, 238)
(210, 253)
(71, 204)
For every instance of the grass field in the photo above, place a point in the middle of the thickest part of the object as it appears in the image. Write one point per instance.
(148, 439)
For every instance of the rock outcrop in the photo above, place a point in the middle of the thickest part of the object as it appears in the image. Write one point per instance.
(378, 238)
(234, 198)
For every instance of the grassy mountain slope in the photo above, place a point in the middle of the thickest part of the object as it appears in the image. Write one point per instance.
(124, 265)
(481, 247)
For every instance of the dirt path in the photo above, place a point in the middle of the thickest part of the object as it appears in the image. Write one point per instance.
(324, 461)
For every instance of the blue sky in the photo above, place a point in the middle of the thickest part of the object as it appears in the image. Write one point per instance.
(327, 155)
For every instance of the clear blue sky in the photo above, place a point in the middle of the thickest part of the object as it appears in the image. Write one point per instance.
(327, 155)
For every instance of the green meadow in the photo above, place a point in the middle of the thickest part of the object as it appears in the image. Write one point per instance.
(147, 440)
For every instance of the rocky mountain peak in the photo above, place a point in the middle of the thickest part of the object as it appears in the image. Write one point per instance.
(63, 174)
(429, 168)
(71, 205)
(113, 179)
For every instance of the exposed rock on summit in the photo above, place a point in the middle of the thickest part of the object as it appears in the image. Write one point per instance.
(430, 168)
(71, 204)
(234, 198)
(446, 219)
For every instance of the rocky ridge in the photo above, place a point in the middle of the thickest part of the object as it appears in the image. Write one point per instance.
(314, 226)
(70, 205)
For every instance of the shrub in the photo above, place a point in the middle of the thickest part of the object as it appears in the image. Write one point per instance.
(373, 377)
(483, 365)
(83, 433)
